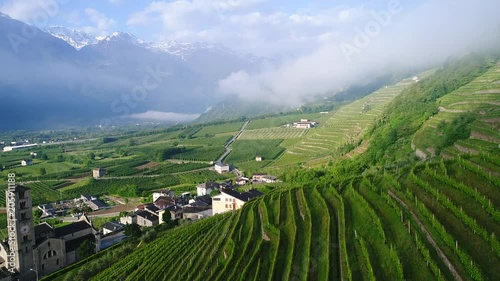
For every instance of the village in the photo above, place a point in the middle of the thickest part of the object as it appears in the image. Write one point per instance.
(57, 246)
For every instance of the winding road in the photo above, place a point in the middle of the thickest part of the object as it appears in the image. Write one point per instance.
(226, 147)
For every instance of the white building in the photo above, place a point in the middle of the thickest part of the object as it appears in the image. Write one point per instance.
(98, 172)
(165, 193)
(221, 168)
(26, 162)
(305, 124)
(229, 200)
(206, 188)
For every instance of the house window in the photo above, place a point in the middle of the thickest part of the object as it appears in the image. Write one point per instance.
(25, 238)
(43, 266)
(26, 249)
(48, 244)
(57, 262)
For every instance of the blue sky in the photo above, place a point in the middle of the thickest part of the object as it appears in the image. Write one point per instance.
(291, 27)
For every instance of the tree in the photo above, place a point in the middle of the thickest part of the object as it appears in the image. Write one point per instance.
(37, 214)
(85, 249)
(91, 156)
(43, 171)
(133, 230)
(166, 217)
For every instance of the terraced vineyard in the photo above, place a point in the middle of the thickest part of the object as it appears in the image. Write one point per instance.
(426, 224)
(345, 126)
(479, 101)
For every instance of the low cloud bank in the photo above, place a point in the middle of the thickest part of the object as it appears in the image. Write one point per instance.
(164, 116)
(396, 38)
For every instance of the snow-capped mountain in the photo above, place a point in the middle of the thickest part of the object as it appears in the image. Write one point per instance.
(76, 38)
(183, 50)
(125, 37)
(87, 79)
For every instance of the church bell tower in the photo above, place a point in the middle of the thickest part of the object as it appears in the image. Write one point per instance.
(20, 227)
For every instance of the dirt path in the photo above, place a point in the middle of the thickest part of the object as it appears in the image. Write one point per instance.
(429, 238)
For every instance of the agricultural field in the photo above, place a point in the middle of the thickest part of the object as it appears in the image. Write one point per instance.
(244, 152)
(273, 133)
(218, 130)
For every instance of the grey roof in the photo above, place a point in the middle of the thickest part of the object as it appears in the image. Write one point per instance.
(42, 228)
(99, 203)
(206, 199)
(72, 245)
(194, 210)
(245, 196)
(71, 228)
(113, 225)
(147, 215)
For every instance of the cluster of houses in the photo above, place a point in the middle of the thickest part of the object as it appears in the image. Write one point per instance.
(201, 206)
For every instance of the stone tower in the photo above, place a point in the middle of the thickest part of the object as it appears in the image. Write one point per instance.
(20, 227)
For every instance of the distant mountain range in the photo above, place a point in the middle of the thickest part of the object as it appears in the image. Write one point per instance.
(62, 77)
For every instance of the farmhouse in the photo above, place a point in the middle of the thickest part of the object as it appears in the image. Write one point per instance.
(147, 218)
(240, 181)
(229, 200)
(112, 226)
(160, 193)
(96, 204)
(26, 162)
(206, 188)
(305, 124)
(164, 202)
(263, 178)
(196, 213)
(129, 219)
(99, 172)
(174, 211)
(221, 167)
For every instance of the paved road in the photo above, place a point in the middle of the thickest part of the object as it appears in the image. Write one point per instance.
(226, 147)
